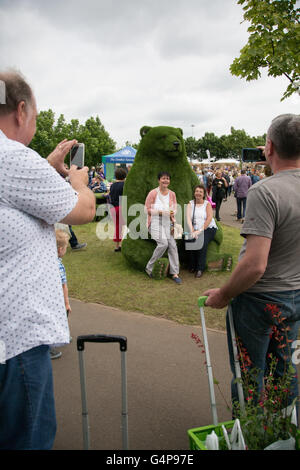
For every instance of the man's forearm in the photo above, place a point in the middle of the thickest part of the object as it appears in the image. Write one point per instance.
(87, 197)
(85, 209)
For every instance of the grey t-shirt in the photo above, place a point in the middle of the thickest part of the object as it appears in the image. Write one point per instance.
(273, 211)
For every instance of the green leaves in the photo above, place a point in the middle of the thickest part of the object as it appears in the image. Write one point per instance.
(274, 42)
(93, 134)
(226, 146)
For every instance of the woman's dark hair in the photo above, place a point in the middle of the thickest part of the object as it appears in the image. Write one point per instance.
(200, 186)
(163, 173)
(120, 173)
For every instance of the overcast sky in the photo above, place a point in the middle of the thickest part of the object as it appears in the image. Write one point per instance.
(139, 62)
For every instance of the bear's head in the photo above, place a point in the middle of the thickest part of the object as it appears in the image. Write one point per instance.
(162, 140)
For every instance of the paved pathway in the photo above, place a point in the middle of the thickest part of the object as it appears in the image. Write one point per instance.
(228, 212)
(167, 381)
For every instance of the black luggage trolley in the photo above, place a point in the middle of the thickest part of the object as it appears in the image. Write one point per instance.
(122, 340)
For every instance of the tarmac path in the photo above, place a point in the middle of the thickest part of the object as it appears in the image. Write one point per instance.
(166, 378)
(228, 212)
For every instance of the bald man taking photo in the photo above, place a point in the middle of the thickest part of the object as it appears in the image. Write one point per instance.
(33, 197)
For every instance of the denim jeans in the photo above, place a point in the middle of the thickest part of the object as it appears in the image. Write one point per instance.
(241, 207)
(27, 411)
(253, 326)
(73, 239)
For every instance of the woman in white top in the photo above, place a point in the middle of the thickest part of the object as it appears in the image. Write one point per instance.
(161, 206)
(202, 227)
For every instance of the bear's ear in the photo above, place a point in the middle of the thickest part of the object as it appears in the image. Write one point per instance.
(144, 130)
(180, 130)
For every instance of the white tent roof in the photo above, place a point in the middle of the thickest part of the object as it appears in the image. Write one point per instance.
(212, 160)
(227, 160)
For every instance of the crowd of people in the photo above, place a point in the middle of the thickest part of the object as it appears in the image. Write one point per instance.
(33, 287)
(221, 183)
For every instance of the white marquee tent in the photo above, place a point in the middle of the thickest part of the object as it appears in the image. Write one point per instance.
(228, 161)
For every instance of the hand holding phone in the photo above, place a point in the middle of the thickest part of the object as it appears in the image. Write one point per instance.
(253, 155)
(77, 155)
(78, 177)
(57, 157)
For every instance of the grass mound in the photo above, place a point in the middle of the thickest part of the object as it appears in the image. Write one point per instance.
(98, 274)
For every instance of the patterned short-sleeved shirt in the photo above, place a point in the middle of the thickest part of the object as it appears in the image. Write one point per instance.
(33, 196)
(62, 271)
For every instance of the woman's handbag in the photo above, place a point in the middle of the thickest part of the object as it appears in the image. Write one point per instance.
(188, 237)
(178, 231)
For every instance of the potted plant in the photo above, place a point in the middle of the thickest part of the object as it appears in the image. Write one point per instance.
(267, 419)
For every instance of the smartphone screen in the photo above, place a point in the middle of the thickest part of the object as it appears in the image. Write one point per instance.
(77, 155)
(253, 155)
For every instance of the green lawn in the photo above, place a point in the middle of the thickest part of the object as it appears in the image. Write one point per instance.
(98, 274)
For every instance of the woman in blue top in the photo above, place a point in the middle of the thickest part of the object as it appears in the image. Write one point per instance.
(202, 227)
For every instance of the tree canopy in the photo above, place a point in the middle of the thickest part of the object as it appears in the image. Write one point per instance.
(226, 146)
(274, 42)
(92, 133)
(97, 141)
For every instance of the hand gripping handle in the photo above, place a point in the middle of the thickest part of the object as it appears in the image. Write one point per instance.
(101, 339)
(201, 301)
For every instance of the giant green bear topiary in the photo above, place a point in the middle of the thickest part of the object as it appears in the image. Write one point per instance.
(161, 149)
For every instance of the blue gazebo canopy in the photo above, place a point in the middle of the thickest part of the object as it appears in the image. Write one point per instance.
(125, 155)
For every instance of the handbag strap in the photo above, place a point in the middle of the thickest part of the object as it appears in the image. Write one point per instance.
(193, 214)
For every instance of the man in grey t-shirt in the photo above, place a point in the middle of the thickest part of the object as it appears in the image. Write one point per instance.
(265, 285)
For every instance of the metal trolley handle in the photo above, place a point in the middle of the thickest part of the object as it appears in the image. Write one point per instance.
(201, 304)
(101, 339)
(122, 340)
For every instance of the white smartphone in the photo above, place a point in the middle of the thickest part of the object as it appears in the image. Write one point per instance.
(77, 155)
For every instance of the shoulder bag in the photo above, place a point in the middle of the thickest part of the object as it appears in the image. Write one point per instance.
(176, 229)
(188, 238)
